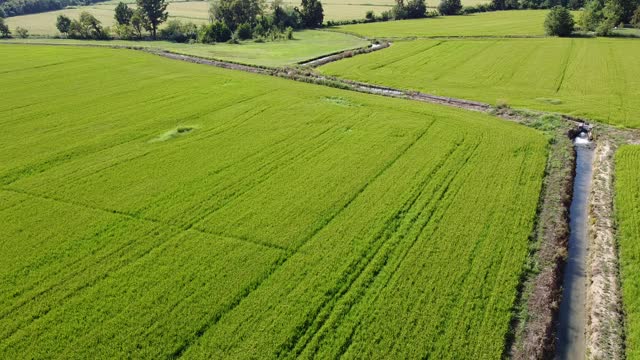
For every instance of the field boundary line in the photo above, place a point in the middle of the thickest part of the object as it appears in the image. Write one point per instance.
(565, 65)
(141, 218)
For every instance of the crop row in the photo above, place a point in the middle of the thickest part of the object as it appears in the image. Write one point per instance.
(628, 219)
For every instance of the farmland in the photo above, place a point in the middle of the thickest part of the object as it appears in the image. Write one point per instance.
(497, 23)
(236, 215)
(306, 45)
(594, 78)
(628, 219)
(43, 24)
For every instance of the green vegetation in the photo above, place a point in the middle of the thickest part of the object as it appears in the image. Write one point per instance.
(559, 22)
(44, 24)
(235, 215)
(594, 78)
(497, 23)
(308, 44)
(628, 211)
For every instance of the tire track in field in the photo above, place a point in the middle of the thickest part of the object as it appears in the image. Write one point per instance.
(460, 63)
(270, 168)
(565, 65)
(418, 52)
(19, 172)
(213, 321)
(60, 283)
(105, 259)
(72, 292)
(391, 228)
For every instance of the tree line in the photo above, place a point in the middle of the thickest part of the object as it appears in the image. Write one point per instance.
(230, 20)
(599, 16)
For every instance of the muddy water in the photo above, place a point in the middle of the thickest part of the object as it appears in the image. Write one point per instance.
(571, 331)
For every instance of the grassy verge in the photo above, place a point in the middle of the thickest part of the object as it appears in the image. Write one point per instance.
(307, 45)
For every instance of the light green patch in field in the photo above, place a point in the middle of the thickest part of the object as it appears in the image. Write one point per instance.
(340, 101)
(174, 133)
(550, 101)
(497, 23)
(285, 226)
(628, 221)
(306, 45)
(593, 78)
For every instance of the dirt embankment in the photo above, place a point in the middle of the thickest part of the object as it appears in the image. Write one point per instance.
(605, 335)
(345, 54)
(535, 332)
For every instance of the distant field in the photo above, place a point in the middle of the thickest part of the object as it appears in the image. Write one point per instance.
(154, 209)
(595, 78)
(628, 219)
(43, 24)
(497, 23)
(307, 45)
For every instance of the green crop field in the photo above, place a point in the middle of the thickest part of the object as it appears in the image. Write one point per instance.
(594, 78)
(153, 209)
(628, 219)
(307, 44)
(497, 23)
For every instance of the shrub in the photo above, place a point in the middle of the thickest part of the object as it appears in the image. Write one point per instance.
(125, 32)
(476, 9)
(288, 33)
(450, 7)
(559, 22)
(369, 16)
(180, 32)
(22, 32)
(243, 32)
(605, 27)
(214, 32)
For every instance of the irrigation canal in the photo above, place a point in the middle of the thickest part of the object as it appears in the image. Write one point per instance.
(572, 318)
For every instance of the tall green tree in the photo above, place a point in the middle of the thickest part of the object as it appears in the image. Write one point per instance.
(312, 13)
(635, 19)
(155, 13)
(123, 14)
(614, 13)
(63, 24)
(4, 29)
(592, 15)
(559, 22)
